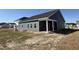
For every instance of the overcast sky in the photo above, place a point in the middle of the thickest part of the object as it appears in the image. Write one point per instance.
(9, 15)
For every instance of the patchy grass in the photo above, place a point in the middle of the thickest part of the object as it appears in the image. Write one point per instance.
(70, 42)
(10, 39)
(7, 35)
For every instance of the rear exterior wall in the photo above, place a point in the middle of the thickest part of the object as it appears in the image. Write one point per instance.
(30, 26)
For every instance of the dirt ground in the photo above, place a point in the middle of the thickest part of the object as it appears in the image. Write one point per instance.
(70, 42)
(15, 40)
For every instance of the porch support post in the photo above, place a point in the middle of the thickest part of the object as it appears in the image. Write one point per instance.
(53, 25)
(47, 26)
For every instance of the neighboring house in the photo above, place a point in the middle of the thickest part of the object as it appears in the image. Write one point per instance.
(71, 26)
(7, 25)
(77, 23)
(11, 25)
(49, 21)
(4, 25)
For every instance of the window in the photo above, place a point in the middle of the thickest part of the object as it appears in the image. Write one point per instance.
(30, 25)
(35, 25)
(22, 25)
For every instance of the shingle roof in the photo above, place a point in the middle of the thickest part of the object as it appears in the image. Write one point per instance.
(7, 23)
(71, 23)
(46, 14)
(22, 19)
(43, 14)
(77, 22)
(2, 23)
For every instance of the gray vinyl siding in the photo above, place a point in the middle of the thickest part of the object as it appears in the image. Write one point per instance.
(24, 26)
(59, 19)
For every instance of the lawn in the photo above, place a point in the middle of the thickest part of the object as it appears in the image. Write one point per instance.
(8, 36)
(70, 42)
(10, 39)
(16, 40)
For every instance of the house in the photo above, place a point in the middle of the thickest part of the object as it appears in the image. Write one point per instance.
(4, 25)
(49, 21)
(77, 23)
(11, 25)
(7, 25)
(71, 26)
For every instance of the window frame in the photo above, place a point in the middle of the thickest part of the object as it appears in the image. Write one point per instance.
(35, 25)
(30, 25)
(22, 25)
(27, 25)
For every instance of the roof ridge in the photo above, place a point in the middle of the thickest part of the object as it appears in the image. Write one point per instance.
(54, 12)
(45, 13)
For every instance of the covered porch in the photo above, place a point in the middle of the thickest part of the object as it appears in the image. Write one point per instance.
(48, 25)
